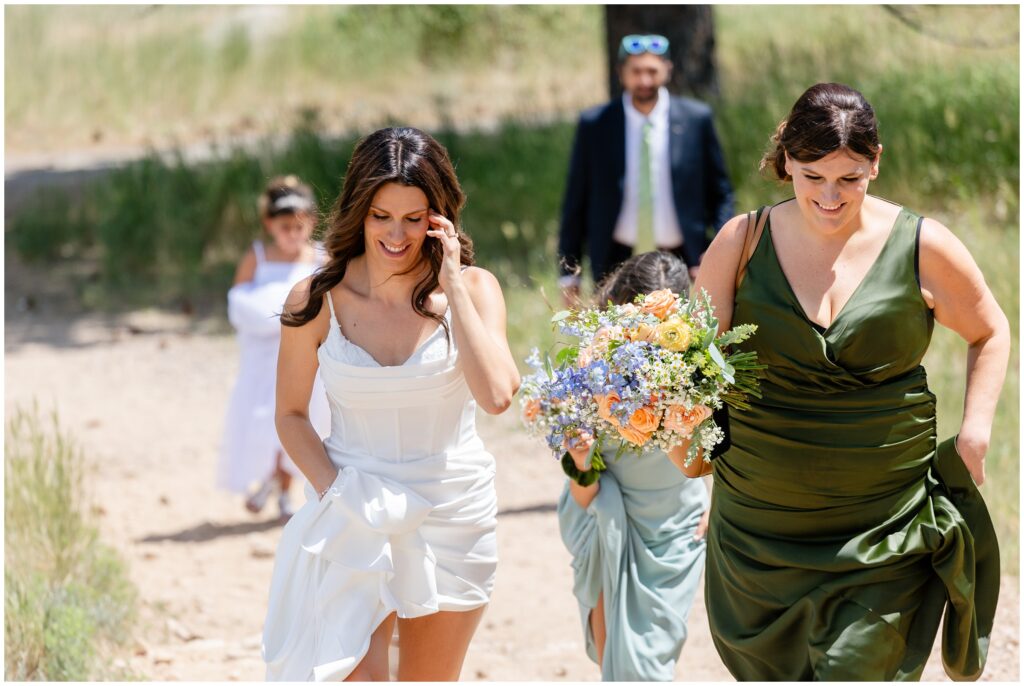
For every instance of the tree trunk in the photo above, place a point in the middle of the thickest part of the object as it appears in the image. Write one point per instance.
(691, 36)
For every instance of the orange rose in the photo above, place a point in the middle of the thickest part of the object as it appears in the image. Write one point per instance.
(604, 407)
(643, 332)
(678, 418)
(604, 336)
(660, 303)
(634, 436)
(644, 419)
(531, 410)
(584, 358)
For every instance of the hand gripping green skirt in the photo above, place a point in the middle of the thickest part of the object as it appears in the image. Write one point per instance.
(840, 533)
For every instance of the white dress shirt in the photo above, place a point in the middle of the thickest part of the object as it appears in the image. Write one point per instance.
(667, 233)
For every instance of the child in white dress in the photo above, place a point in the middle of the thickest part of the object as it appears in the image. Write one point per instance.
(251, 452)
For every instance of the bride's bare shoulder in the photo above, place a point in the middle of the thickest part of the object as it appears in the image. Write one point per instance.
(298, 297)
(298, 306)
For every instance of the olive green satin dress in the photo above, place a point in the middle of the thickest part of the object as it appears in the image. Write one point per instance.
(839, 534)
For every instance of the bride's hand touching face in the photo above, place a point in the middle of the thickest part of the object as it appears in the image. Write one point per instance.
(443, 230)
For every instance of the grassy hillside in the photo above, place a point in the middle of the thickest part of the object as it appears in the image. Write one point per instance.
(95, 76)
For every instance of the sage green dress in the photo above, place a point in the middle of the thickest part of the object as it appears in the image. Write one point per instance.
(635, 543)
(839, 535)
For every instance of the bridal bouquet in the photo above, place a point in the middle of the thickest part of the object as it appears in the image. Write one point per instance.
(647, 374)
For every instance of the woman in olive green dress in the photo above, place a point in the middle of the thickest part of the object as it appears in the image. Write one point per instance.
(840, 532)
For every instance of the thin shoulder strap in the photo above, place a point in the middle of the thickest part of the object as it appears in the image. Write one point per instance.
(751, 236)
(330, 305)
(261, 256)
(917, 251)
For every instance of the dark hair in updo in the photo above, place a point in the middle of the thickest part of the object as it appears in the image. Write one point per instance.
(826, 118)
(644, 273)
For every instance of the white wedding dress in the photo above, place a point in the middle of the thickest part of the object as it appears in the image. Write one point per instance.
(408, 525)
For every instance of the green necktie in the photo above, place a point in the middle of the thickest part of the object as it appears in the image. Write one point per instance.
(645, 196)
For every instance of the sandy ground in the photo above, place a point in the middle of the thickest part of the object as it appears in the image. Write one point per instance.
(147, 408)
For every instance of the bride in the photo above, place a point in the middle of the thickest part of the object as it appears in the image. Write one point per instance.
(399, 526)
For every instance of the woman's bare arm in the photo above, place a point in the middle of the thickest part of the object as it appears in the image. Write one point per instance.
(478, 313)
(717, 273)
(297, 364)
(954, 286)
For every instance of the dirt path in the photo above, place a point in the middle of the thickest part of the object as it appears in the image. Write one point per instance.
(147, 410)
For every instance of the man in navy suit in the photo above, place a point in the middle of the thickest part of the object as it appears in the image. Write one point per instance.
(646, 172)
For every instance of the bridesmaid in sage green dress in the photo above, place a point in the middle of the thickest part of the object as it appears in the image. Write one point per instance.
(841, 532)
(636, 536)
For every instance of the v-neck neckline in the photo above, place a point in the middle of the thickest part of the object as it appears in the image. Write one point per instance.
(815, 326)
(337, 326)
(375, 360)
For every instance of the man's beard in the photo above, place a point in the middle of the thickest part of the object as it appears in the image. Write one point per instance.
(644, 98)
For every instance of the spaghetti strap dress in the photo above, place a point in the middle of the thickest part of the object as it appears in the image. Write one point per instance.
(408, 526)
(840, 533)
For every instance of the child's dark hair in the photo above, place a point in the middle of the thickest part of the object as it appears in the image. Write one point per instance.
(286, 195)
(644, 273)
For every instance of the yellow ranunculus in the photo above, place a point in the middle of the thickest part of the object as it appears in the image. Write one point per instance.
(674, 334)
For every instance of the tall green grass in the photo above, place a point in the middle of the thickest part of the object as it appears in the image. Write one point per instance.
(68, 602)
(949, 117)
(164, 230)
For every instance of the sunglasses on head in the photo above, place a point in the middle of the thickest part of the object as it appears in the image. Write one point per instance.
(637, 45)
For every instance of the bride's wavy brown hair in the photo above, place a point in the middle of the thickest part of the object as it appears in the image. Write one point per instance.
(394, 155)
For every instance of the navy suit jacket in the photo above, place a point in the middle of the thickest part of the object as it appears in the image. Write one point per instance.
(597, 174)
